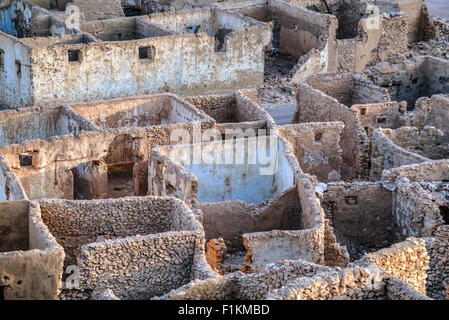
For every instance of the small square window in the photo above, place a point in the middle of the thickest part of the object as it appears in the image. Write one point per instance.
(74, 55)
(2, 60)
(26, 160)
(351, 200)
(147, 53)
(18, 69)
(381, 120)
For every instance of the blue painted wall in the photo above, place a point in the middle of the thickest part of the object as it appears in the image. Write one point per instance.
(6, 20)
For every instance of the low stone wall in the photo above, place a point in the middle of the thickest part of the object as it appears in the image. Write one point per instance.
(38, 265)
(438, 273)
(133, 246)
(385, 154)
(407, 260)
(254, 286)
(140, 111)
(354, 283)
(10, 187)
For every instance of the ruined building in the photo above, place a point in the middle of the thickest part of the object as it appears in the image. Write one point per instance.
(138, 159)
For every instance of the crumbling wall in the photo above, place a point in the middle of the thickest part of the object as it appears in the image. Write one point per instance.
(15, 83)
(27, 124)
(433, 111)
(61, 71)
(417, 19)
(99, 10)
(10, 187)
(159, 236)
(408, 261)
(361, 215)
(412, 79)
(354, 283)
(217, 180)
(315, 106)
(429, 142)
(254, 286)
(34, 261)
(48, 172)
(438, 273)
(413, 209)
(233, 219)
(317, 148)
(232, 108)
(418, 213)
(141, 111)
(381, 115)
(386, 155)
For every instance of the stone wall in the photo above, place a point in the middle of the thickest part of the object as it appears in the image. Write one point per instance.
(157, 240)
(386, 155)
(25, 124)
(317, 148)
(140, 111)
(254, 286)
(408, 261)
(361, 215)
(34, 261)
(10, 187)
(315, 106)
(412, 78)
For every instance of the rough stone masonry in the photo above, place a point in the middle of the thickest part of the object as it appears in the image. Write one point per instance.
(105, 104)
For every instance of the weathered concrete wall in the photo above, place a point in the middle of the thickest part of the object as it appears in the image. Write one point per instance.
(79, 81)
(317, 148)
(32, 268)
